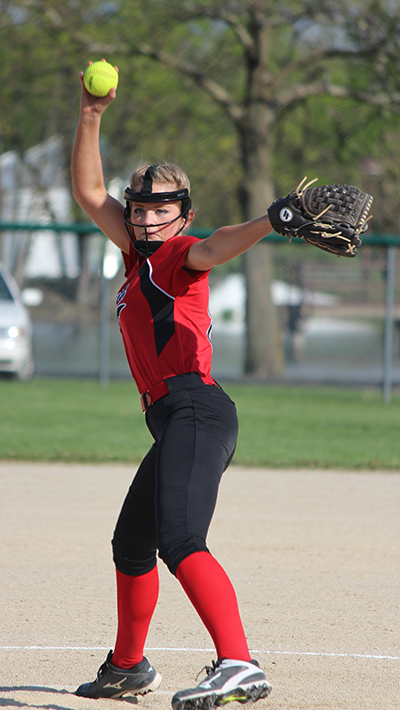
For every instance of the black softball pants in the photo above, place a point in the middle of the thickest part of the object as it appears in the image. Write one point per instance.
(171, 501)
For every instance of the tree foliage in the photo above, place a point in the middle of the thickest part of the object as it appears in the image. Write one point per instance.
(327, 72)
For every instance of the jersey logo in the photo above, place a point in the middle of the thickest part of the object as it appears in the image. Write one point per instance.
(162, 307)
(120, 296)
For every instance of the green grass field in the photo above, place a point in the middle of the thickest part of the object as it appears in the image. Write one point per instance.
(280, 426)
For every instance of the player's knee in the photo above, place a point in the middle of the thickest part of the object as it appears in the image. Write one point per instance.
(175, 552)
(131, 562)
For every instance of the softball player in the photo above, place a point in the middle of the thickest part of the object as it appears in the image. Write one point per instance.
(163, 315)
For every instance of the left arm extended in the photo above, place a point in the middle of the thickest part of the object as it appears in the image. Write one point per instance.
(226, 243)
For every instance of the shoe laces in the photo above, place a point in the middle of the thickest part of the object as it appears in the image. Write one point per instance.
(104, 665)
(101, 670)
(209, 669)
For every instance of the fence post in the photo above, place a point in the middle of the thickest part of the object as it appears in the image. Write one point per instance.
(104, 325)
(388, 339)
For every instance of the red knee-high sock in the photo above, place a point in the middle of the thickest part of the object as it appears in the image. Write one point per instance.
(136, 600)
(212, 595)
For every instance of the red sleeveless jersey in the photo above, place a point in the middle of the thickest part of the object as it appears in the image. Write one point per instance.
(163, 315)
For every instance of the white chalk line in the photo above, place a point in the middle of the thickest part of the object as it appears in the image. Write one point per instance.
(376, 656)
(65, 689)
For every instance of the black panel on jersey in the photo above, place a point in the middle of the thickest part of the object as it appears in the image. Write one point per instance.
(162, 309)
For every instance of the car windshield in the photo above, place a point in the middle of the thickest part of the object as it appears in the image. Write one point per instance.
(5, 293)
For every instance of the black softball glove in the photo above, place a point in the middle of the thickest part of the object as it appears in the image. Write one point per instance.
(331, 217)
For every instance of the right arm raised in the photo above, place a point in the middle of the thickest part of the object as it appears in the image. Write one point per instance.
(87, 172)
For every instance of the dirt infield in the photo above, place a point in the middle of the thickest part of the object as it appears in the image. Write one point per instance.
(314, 556)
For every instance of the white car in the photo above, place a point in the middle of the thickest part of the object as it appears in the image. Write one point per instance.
(16, 353)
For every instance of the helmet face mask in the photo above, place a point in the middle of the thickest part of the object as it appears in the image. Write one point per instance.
(146, 195)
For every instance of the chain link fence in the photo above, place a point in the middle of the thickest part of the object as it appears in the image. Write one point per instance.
(339, 318)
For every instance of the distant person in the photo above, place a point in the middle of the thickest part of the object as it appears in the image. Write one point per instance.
(165, 324)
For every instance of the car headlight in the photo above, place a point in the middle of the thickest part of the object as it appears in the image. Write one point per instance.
(15, 332)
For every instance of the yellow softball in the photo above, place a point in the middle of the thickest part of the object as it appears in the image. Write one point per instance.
(99, 78)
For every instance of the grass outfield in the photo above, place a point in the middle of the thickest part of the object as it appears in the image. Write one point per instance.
(280, 426)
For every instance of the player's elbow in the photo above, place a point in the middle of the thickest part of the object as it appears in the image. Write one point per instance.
(90, 201)
(82, 199)
(77, 194)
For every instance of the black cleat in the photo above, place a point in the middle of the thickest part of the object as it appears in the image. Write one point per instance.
(227, 680)
(114, 682)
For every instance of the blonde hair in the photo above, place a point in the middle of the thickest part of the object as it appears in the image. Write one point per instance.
(165, 173)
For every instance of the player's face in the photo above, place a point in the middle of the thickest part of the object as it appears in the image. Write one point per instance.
(150, 217)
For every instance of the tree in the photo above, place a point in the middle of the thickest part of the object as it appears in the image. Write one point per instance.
(288, 55)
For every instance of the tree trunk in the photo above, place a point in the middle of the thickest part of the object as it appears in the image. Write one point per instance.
(264, 353)
(264, 348)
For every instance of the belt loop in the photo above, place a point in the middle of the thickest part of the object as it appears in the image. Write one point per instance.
(153, 394)
(146, 401)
